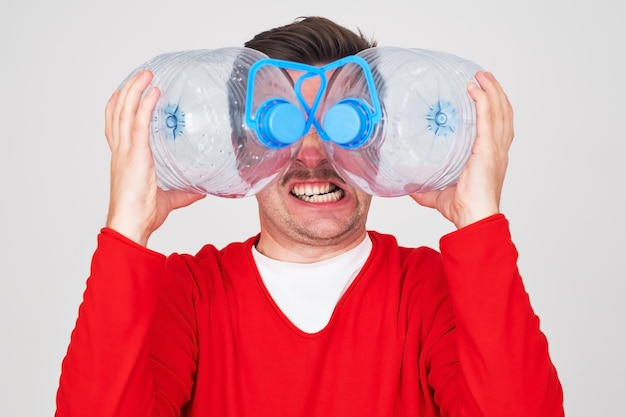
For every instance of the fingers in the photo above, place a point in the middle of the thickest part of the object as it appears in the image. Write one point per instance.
(494, 110)
(128, 111)
(140, 126)
(108, 118)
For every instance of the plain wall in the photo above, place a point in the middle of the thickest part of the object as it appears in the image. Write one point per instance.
(561, 63)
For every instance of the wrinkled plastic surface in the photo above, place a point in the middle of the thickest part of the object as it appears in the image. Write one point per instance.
(428, 124)
(198, 133)
(216, 131)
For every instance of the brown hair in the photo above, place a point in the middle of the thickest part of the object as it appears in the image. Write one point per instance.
(311, 40)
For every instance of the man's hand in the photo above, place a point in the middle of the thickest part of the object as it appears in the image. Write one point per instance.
(477, 193)
(137, 207)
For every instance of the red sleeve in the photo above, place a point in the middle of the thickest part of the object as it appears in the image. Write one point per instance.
(111, 367)
(503, 355)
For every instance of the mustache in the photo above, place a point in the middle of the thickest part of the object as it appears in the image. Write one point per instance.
(324, 173)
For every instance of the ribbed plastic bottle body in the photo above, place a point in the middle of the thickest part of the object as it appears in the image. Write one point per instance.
(198, 133)
(428, 121)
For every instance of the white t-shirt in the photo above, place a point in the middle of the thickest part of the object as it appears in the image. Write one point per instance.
(308, 293)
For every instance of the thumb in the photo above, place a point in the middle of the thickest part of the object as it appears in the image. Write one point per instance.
(178, 199)
(427, 198)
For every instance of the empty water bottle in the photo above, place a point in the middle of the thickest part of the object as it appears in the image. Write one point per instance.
(213, 130)
(399, 121)
(394, 121)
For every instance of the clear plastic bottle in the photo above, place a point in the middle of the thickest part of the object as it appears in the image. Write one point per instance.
(426, 127)
(199, 135)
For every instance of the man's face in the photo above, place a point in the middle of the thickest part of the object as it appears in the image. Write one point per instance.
(311, 204)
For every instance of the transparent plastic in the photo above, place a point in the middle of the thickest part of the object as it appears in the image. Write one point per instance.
(428, 122)
(198, 135)
(393, 121)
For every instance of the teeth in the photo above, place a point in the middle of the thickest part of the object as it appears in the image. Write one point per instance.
(325, 193)
(310, 190)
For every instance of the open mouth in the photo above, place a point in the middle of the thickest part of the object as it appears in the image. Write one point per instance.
(318, 192)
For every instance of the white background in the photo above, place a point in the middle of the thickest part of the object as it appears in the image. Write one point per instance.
(561, 62)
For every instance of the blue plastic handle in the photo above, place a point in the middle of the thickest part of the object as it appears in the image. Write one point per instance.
(278, 122)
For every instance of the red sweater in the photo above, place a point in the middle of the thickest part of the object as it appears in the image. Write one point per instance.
(418, 334)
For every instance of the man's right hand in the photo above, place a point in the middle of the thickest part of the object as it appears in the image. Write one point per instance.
(137, 207)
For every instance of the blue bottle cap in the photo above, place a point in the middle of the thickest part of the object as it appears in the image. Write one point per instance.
(348, 123)
(280, 123)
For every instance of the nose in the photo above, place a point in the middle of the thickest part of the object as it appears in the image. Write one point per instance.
(311, 152)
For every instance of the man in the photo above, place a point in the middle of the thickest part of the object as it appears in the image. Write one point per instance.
(314, 316)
